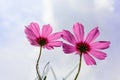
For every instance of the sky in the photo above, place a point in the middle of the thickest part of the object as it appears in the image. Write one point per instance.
(18, 57)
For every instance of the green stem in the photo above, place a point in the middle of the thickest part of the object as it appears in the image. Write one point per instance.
(37, 64)
(79, 67)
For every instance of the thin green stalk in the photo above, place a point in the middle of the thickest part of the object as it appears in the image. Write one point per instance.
(53, 73)
(45, 71)
(79, 67)
(37, 64)
(71, 72)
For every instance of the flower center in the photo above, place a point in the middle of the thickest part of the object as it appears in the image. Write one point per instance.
(83, 47)
(42, 41)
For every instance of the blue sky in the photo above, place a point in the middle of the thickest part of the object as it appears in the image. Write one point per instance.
(18, 57)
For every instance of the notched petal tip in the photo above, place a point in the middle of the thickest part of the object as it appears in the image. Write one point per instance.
(108, 42)
(92, 35)
(96, 27)
(100, 45)
(46, 30)
(98, 54)
(78, 30)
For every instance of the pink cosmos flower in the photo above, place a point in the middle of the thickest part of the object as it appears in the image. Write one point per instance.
(44, 37)
(85, 46)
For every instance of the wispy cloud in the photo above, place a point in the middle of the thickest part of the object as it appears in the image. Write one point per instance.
(18, 57)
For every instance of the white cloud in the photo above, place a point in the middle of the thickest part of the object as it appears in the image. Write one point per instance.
(18, 57)
(47, 12)
(104, 4)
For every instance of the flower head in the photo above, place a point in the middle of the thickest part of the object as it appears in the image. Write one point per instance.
(85, 46)
(44, 37)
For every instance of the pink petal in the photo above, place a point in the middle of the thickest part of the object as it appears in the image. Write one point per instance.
(68, 48)
(100, 45)
(98, 54)
(88, 59)
(35, 29)
(46, 30)
(92, 35)
(54, 44)
(55, 36)
(78, 30)
(48, 47)
(68, 36)
(31, 37)
(29, 33)
(33, 42)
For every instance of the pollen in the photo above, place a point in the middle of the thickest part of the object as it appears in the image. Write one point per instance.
(83, 47)
(42, 41)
